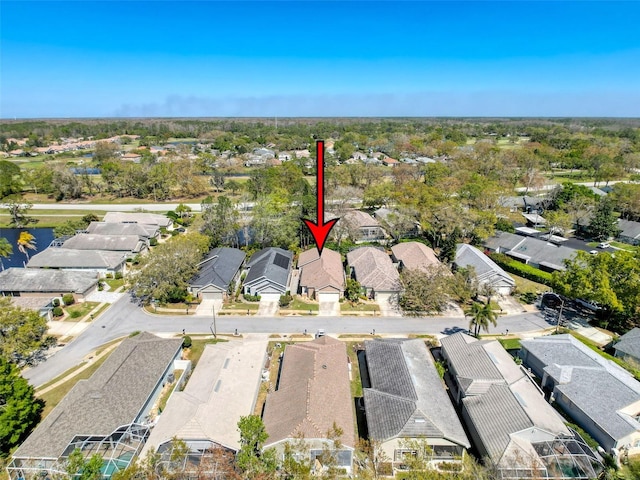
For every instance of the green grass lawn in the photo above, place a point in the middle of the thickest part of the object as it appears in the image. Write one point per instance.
(524, 285)
(78, 311)
(356, 381)
(298, 304)
(359, 307)
(510, 343)
(114, 283)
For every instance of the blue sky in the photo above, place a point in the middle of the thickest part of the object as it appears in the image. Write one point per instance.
(207, 58)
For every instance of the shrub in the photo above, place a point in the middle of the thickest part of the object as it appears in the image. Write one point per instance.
(118, 275)
(529, 297)
(285, 300)
(521, 269)
(68, 299)
(57, 311)
(186, 341)
(109, 275)
(153, 242)
(56, 302)
(251, 298)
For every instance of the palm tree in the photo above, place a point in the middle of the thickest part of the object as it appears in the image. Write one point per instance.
(481, 316)
(6, 249)
(26, 241)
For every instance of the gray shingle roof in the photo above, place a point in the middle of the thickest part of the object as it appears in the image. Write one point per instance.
(595, 385)
(106, 228)
(32, 280)
(495, 415)
(69, 258)
(218, 268)
(272, 264)
(407, 398)
(113, 396)
(629, 229)
(116, 243)
(137, 217)
(630, 343)
(486, 269)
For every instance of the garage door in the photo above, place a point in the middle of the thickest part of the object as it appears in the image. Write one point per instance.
(328, 297)
(212, 295)
(269, 297)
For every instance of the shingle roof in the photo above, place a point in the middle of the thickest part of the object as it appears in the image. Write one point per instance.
(137, 217)
(313, 392)
(116, 243)
(69, 258)
(360, 219)
(629, 228)
(319, 272)
(272, 264)
(374, 269)
(415, 255)
(541, 252)
(407, 397)
(105, 228)
(503, 240)
(113, 396)
(629, 343)
(595, 385)
(495, 415)
(218, 268)
(486, 269)
(32, 280)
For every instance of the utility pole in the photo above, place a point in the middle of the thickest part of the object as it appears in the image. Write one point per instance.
(214, 330)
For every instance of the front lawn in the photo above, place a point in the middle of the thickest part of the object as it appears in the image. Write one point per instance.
(114, 283)
(298, 304)
(78, 311)
(359, 307)
(240, 306)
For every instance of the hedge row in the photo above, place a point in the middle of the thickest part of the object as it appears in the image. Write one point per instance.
(521, 269)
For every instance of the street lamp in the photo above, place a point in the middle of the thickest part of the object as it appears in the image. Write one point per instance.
(214, 329)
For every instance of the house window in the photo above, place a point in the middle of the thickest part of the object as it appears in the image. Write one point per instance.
(402, 455)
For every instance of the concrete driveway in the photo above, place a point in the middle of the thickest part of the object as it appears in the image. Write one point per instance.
(104, 297)
(269, 305)
(388, 305)
(329, 309)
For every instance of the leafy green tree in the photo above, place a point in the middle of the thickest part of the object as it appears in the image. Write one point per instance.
(425, 291)
(22, 333)
(10, 179)
(6, 250)
(353, 290)
(482, 315)
(604, 223)
(252, 459)
(80, 468)
(19, 409)
(220, 221)
(105, 151)
(169, 267)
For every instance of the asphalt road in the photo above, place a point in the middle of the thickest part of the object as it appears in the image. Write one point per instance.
(124, 317)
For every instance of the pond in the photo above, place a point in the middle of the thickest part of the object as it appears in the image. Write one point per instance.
(43, 237)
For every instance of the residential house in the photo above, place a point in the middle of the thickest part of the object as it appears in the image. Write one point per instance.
(321, 277)
(139, 217)
(414, 256)
(508, 419)
(39, 282)
(205, 413)
(407, 401)
(534, 220)
(390, 162)
(128, 244)
(312, 396)
(600, 396)
(398, 224)
(98, 261)
(217, 274)
(537, 252)
(629, 232)
(106, 414)
(41, 304)
(269, 272)
(131, 157)
(375, 272)
(143, 231)
(628, 347)
(359, 226)
(487, 271)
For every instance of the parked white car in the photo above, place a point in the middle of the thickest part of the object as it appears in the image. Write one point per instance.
(589, 304)
(604, 245)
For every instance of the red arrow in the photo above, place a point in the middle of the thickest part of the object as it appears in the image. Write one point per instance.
(319, 229)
